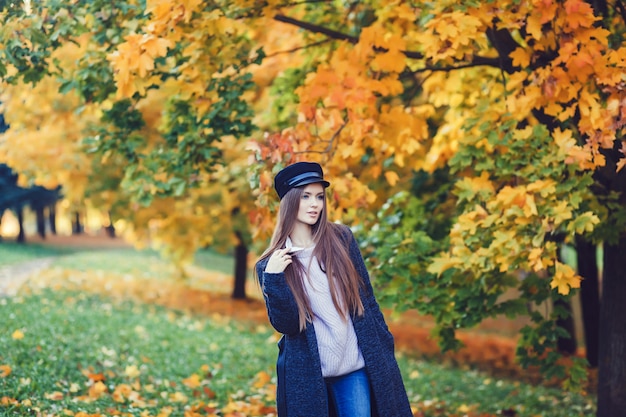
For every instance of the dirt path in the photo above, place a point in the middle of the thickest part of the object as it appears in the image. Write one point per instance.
(12, 277)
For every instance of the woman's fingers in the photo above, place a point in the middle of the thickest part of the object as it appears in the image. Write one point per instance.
(279, 260)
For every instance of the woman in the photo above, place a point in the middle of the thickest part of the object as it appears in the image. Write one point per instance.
(336, 355)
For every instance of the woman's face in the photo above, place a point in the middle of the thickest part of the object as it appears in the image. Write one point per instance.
(311, 204)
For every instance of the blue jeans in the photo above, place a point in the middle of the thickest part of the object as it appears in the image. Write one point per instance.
(349, 394)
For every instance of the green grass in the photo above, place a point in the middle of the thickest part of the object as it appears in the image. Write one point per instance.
(147, 262)
(144, 263)
(13, 253)
(65, 333)
(214, 261)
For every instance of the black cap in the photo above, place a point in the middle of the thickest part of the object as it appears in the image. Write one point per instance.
(298, 175)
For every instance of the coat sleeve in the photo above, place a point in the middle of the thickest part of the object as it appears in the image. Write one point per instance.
(368, 297)
(282, 309)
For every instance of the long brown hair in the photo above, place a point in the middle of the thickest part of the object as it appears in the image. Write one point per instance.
(331, 251)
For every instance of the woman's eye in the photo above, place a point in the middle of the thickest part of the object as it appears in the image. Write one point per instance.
(320, 197)
(304, 197)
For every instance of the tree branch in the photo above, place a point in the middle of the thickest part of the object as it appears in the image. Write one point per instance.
(504, 43)
(298, 48)
(316, 28)
(297, 3)
(478, 61)
(333, 34)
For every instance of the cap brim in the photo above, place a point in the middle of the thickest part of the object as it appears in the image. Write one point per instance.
(308, 181)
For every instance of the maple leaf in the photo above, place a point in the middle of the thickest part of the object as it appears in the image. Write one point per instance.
(192, 381)
(442, 263)
(121, 393)
(391, 177)
(579, 14)
(97, 390)
(132, 371)
(178, 397)
(564, 279)
(6, 401)
(521, 58)
(54, 396)
(534, 25)
(18, 335)
(469, 187)
(392, 61)
(262, 379)
(5, 370)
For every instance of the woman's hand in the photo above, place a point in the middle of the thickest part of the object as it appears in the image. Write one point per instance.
(279, 260)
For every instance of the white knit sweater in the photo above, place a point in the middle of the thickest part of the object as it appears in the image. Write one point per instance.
(336, 340)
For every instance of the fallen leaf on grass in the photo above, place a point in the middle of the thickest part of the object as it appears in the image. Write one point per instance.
(132, 371)
(209, 392)
(262, 379)
(193, 381)
(5, 370)
(18, 335)
(8, 401)
(178, 397)
(54, 396)
(97, 390)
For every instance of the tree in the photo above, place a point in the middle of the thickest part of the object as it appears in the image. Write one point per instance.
(13, 197)
(164, 134)
(532, 103)
(41, 199)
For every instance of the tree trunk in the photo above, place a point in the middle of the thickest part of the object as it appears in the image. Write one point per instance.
(612, 369)
(589, 297)
(21, 237)
(241, 269)
(41, 222)
(77, 227)
(52, 218)
(110, 229)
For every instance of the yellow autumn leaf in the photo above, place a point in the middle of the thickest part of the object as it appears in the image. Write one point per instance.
(442, 263)
(534, 257)
(193, 381)
(564, 279)
(5, 370)
(121, 393)
(391, 61)
(156, 47)
(132, 371)
(5, 401)
(520, 57)
(391, 177)
(144, 64)
(262, 379)
(178, 397)
(530, 208)
(18, 335)
(533, 26)
(97, 390)
(477, 184)
(54, 396)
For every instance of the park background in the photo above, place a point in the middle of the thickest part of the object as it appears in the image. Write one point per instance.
(474, 148)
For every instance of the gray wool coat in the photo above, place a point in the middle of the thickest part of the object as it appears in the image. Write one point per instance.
(301, 390)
